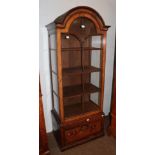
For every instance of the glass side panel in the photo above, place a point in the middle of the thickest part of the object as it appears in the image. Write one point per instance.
(55, 83)
(91, 58)
(95, 58)
(95, 79)
(91, 102)
(91, 82)
(56, 103)
(96, 41)
(94, 97)
(54, 60)
(92, 91)
(52, 41)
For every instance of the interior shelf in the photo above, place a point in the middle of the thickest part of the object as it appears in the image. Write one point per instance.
(78, 108)
(79, 49)
(77, 90)
(78, 70)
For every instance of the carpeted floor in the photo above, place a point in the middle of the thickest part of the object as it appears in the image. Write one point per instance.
(105, 145)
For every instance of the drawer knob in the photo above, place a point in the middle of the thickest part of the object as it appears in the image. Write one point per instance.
(68, 134)
(87, 119)
(102, 115)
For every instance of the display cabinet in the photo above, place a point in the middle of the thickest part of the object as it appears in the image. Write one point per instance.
(77, 48)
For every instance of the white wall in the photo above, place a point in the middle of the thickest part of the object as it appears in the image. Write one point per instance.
(49, 10)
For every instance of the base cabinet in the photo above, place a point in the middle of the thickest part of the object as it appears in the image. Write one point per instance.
(79, 130)
(82, 131)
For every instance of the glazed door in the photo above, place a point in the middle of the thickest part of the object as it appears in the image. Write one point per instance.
(81, 49)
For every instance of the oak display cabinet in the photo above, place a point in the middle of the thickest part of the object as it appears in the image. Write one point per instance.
(77, 48)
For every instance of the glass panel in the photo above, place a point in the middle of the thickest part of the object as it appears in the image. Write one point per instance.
(54, 60)
(95, 79)
(95, 58)
(91, 58)
(91, 89)
(91, 82)
(72, 86)
(71, 59)
(81, 51)
(69, 42)
(56, 103)
(52, 41)
(71, 54)
(55, 83)
(92, 51)
(71, 80)
(81, 104)
(94, 97)
(82, 27)
(72, 106)
(96, 41)
(91, 102)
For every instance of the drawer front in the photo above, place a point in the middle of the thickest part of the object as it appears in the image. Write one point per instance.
(82, 131)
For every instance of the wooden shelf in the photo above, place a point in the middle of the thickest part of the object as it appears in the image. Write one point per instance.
(78, 70)
(77, 90)
(92, 48)
(77, 108)
(79, 49)
(71, 49)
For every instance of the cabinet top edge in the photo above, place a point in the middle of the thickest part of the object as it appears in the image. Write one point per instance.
(61, 19)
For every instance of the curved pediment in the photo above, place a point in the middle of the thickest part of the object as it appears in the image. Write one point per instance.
(82, 11)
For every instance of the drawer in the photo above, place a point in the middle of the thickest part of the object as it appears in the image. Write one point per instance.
(82, 131)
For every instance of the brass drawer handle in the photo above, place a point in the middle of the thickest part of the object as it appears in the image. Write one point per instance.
(87, 119)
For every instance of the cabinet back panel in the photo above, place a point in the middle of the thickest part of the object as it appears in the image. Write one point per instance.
(71, 80)
(71, 59)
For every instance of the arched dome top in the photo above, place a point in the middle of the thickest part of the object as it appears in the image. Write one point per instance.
(62, 20)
